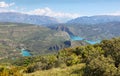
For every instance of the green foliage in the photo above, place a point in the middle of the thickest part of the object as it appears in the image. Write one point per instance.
(72, 60)
(69, 57)
(10, 71)
(99, 60)
(41, 63)
(118, 70)
(88, 52)
(112, 48)
(23, 61)
(101, 66)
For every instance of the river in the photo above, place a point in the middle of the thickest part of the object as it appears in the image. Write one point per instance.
(74, 38)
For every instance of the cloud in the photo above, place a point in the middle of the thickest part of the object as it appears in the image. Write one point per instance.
(62, 16)
(6, 10)
(48, 12)
(5, 5)
(114, 13)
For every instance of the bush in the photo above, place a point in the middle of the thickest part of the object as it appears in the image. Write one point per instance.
(101, 66)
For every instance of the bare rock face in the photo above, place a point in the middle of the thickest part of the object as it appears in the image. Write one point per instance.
(56, 47)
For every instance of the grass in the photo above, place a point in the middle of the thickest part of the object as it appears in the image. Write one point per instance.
(75, 70)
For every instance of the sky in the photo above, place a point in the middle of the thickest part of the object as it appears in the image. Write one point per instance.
(62, 9)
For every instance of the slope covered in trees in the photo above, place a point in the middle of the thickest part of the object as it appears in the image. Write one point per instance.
(92, 60)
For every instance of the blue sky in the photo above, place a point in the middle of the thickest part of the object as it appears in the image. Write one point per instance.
(63, 8)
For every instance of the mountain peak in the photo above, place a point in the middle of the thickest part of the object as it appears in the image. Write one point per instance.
(26, 18)
(95, 19)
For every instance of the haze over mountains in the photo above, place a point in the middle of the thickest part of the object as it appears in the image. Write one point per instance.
(92, 28)
(95, 19)
(59, 37)
(39, 20)
(77, 42)
(26, 18)
(47, 35)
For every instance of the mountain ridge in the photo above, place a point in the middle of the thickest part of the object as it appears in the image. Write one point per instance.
(26, 18)
(96, 19)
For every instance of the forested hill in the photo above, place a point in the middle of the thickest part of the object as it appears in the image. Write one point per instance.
(92, 60)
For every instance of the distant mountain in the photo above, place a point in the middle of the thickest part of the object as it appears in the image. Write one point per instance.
(94, 19)
(93, 32)
(25, 18)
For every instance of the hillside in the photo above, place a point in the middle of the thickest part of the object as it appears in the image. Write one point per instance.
(59, 37)
(91, 60)
(93, 32)
(36, 39)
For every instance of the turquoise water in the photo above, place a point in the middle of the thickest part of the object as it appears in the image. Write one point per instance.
(74, 38)
(25, 52)
(93, 42)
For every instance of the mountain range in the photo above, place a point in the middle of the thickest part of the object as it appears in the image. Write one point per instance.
(92, 32)
(43, 35)
(94, 19)
(40, 20)
(26, 18)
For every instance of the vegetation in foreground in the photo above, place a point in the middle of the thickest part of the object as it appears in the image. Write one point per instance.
(92, 60)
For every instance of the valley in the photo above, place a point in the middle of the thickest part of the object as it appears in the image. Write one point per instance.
(59, 49)
(37, 39)
(40, 39)
(59, 38)
(77, 61)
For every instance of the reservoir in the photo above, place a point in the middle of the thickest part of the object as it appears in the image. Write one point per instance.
(25, 52)
(74, 38)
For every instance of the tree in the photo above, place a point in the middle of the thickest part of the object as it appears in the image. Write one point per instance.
(112, 48)
(101, 66)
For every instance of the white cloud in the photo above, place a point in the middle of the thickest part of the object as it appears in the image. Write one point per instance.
(48, 12)
(114, 13)
(4, 5)
(5, 10)
(62, 16)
